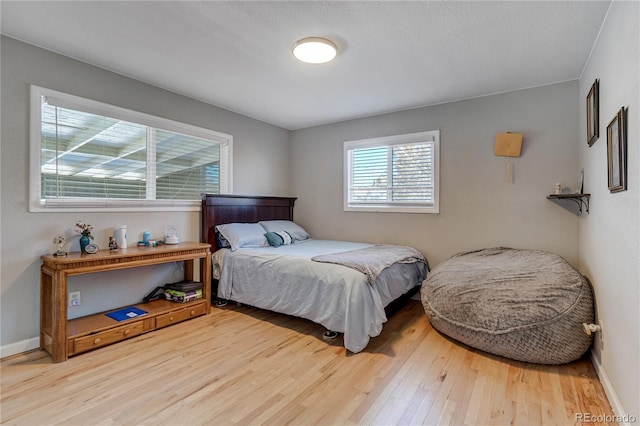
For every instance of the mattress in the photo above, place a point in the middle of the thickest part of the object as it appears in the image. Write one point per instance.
(284, 279)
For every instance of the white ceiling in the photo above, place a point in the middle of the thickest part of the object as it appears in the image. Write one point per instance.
(393, 55)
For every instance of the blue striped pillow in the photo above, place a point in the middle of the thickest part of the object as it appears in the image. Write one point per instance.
(280, 238)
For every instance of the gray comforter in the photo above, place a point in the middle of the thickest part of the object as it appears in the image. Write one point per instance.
(284, 279)
(371, 261)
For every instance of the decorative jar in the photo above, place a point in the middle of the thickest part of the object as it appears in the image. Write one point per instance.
(84, 242)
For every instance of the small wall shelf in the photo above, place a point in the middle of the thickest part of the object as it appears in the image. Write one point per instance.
(581, 200)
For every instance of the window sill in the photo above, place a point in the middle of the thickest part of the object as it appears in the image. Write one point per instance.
(51, 206)
(384, 209)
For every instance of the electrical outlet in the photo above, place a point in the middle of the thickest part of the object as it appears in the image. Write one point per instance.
(74, 298)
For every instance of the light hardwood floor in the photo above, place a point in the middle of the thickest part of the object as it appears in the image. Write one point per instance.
(242, 365)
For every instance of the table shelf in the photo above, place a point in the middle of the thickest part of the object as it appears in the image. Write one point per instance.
(89, 324)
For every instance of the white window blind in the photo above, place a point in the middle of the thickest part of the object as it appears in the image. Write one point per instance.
(93, 154)
(393, 174)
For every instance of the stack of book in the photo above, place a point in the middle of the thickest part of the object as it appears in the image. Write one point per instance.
(183, 296)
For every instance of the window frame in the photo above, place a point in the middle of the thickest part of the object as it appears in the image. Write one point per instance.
(39, 204)
(389, 141)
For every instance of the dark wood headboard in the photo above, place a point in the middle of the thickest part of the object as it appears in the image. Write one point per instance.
(221, 209)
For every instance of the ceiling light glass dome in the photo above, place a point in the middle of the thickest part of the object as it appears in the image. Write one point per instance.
(314, 50)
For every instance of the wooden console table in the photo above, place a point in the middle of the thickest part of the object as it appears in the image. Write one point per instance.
(62, 338)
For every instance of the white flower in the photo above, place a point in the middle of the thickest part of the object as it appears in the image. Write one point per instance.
(83, 228)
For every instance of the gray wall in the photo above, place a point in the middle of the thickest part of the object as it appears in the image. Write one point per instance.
(261, 166)
(478, 207)
(610, 235)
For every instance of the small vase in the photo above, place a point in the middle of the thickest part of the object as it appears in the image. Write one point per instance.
(84, 242)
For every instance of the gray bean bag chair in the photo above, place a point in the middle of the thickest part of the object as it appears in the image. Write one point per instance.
(527, 305)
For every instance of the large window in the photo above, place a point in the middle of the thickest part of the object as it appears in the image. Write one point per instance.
(392, 174)
(87, 155)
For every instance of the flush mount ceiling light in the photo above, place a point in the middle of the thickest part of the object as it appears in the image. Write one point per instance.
(314, 50)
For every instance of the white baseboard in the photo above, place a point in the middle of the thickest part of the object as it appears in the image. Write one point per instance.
(616, 405)
(19, 347)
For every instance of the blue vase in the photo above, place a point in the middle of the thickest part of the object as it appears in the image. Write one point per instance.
(84, 242)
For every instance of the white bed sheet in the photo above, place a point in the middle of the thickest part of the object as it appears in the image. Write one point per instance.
(286, 280)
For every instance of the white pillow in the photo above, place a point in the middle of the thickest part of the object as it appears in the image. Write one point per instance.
(295, 230)
(243, 235)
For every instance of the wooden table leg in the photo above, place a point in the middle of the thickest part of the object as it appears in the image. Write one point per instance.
(59, 316)
(205, 278)
(188, 270)
(46, 320)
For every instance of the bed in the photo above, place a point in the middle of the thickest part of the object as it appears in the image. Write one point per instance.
(527, 305)
(321, 280)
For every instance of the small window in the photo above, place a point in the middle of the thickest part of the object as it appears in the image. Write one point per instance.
(392, 174)
(87, 156)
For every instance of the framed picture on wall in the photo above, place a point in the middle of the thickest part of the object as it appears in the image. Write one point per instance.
(593, 116)
(617, 151)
